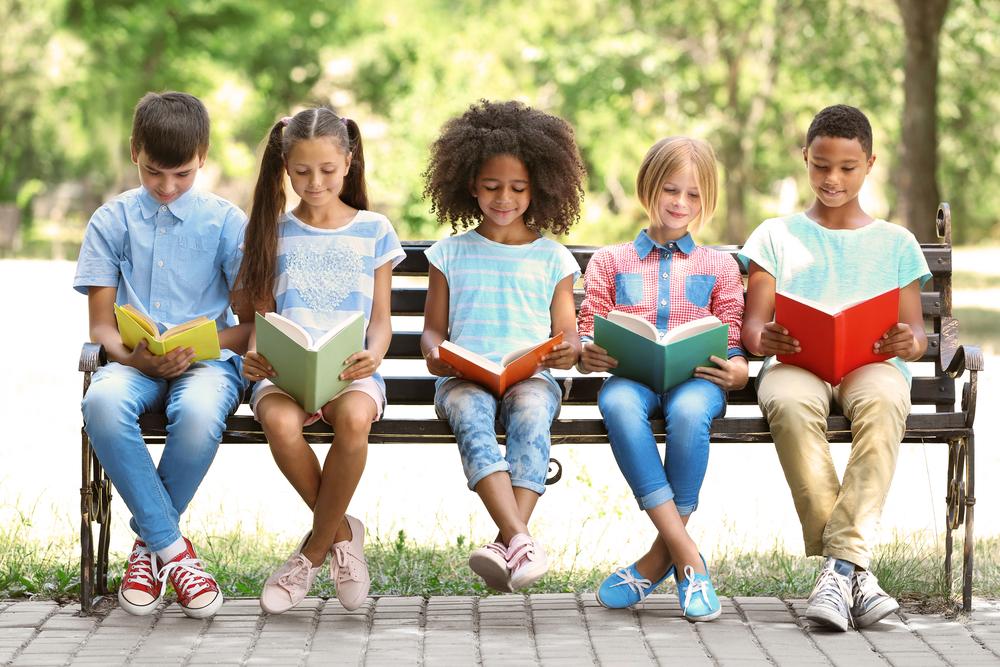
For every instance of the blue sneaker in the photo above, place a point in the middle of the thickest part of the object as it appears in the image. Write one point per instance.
(625, 587)
(697, 595)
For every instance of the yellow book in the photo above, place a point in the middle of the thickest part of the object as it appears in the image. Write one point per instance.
(199, 334)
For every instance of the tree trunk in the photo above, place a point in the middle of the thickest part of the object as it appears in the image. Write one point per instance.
(918, 194)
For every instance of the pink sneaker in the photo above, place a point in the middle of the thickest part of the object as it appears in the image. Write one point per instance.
(527, 561)
(198, 593)
(490, 563)
(349, 569)
(290, 583)
(140, 590)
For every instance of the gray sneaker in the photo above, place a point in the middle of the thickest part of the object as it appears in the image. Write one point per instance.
(830, 601)
(871, 603)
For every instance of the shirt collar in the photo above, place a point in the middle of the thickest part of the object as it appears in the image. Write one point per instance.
(180, 207)
(644, 245)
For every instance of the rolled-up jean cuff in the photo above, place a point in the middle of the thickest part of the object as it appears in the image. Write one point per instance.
(655, 498)
(687, 510)
(499, 466)
(528, 484)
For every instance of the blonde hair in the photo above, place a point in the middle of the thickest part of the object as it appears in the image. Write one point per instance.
(665, 158)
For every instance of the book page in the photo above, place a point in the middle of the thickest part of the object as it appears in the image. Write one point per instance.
(815, 305)
(452, 351)
(633, 323)
(691, 328)
(181, 328)
(148, 325)
(290, 329)
(343, 324)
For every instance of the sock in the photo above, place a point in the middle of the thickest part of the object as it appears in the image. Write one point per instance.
(171, 551)
(844, 568)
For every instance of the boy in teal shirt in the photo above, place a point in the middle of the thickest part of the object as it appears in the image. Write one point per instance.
(835, 253)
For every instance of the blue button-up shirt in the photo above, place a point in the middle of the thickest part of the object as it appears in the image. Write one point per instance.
(173, 261)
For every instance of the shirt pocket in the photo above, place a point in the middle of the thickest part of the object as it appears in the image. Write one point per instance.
(698, 289)
(628, 289)
(195, 261)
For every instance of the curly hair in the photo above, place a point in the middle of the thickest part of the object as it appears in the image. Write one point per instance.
(843, 121)
(544, 143)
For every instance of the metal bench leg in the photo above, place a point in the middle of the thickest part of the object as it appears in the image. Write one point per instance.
(86, 532)
(970, 501)
(103, 516)
(961, 500)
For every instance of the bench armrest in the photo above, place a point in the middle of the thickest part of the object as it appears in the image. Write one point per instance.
(92, 357)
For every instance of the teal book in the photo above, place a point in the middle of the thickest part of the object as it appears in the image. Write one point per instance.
(659, 361)
(309, 370)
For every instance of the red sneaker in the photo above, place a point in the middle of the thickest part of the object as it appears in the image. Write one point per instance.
(140, 591)
(197, 592)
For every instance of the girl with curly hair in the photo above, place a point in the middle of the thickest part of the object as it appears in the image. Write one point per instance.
(504, 173)
(666, 278)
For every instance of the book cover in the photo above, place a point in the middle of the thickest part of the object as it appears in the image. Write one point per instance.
(200, 334)
(837, 340)
(660, 362)
(497, 377)
(308, 370)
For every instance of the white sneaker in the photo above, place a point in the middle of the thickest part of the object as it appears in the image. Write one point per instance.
(527, 561)
(871, 603)
(490, 563)
(830, 600)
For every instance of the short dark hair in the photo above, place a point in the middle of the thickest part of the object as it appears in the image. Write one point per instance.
(841, 120)
(543, 142)
(171, 127)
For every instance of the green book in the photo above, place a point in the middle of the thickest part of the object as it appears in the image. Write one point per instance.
(659, 362)
(309, 370)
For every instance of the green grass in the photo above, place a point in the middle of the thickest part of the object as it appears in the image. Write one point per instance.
(979, 326)
(968, 280)
(908, 568)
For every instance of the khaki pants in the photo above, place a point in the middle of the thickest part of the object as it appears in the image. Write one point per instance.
(838, 518)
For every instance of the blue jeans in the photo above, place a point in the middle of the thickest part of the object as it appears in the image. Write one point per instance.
(628, 407)
(526, 412)
(196, 405)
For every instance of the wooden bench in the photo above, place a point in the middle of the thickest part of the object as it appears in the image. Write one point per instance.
(942, 418)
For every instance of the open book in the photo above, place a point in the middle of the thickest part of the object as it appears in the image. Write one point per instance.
(514, 367)
(659, 361)
(309, 370)
(200, 334)
(835, 340)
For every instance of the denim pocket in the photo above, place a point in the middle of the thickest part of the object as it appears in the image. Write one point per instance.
(698, 289)
(628, 289)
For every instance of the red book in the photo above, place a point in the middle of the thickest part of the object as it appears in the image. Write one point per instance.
(514, 367)
(836, 340)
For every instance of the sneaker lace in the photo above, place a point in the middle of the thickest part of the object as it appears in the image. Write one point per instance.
(188, 577)
(142, 564)
(831, 589)
(297, 575)
(347, 564)
(867, 587)
(639, 585)
(694, 586)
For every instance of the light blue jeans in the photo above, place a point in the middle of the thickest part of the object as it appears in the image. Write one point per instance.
(196, 405)
(526, 412)
(628, 406)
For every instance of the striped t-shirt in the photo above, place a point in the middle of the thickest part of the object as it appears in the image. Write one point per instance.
(324, 275)
(499, 295)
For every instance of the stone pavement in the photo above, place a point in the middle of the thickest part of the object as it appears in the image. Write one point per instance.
(501, 630)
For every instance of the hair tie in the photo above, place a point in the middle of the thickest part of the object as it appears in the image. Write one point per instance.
(344, 119)
(285, 121)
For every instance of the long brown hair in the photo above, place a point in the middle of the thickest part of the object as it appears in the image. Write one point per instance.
(260, 249)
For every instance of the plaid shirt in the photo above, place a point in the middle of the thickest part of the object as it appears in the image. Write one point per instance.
(666, 284)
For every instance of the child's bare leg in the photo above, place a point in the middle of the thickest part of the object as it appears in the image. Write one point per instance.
(499, 497)
(282, 418)
(526, 499)
(351, 416)
(655, 562)
(674, 536)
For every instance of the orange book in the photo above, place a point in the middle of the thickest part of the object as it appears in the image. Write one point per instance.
(497, 377)
(838, 340)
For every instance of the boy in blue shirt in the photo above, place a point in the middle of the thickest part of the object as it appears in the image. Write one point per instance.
(173, 253)
(835, 253)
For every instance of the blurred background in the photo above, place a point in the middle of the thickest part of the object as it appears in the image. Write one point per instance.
(745, 75)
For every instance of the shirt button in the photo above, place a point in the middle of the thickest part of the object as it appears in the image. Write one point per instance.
(666, 275)
(160, 263)
(156, 305)
(163, 231)
(663, 302)
(162, 209)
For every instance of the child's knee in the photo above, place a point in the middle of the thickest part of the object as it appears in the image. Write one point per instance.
(350, 422)
(280, 422)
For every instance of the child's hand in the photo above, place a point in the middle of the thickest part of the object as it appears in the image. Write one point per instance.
(596, 358)
(899, 341)
(257, 367)
(774, 339)
(169, 366)
(562, 356)
(437, 367)
(731, 373)
(360, 365)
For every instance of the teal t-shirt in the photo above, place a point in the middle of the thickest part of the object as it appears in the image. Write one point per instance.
(836, 266)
